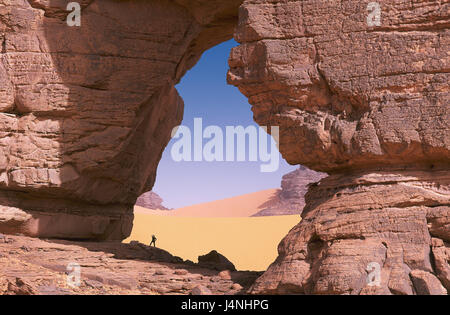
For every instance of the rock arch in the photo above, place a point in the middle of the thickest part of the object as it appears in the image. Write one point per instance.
(367, 104)
(87, 111)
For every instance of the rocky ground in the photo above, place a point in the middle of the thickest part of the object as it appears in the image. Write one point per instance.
(36, 266)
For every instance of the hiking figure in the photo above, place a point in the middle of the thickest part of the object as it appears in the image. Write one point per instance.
(153, 241)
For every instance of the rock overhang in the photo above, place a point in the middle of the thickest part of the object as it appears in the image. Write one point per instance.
(87, 112)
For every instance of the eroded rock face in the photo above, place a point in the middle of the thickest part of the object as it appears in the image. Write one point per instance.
(370, 106)
(85, 112)
(151, 200)
(399, 221)
(106, 268)
(291, 197)
(348, 96)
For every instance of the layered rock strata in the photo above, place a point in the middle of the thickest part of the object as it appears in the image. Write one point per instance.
(367, 103)
(291, 198)
(86, 111)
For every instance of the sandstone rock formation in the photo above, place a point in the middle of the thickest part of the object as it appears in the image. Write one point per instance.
(106, 268)
(291, 197)
(85, 112)
(201, 290)
(394, 220)
(370, 106)
(216, 261)
(151, 200)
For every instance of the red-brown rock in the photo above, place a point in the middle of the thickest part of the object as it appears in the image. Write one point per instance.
(216, 261)
(368, 105)
(85, 112)
(151, 200)
(291, 198)
(105, 268)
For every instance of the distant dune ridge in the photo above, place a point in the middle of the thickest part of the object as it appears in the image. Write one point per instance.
(240, 206)
(246, 229)
(288, 200)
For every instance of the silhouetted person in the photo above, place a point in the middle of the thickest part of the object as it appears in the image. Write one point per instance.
(153, 241)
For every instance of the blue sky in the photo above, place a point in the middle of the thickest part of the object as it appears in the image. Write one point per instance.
(207, 96)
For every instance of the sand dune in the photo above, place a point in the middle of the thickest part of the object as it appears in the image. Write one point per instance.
(224, 225)
(240, 206)
(250, 243)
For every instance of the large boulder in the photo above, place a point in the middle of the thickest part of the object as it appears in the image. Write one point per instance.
(216, 261)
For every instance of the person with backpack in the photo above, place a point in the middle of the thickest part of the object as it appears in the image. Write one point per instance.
(153, 241)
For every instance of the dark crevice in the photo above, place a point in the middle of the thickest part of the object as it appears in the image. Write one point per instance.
(316, 253)
(4, 45)
(413, 285)
(15, 111)
(99, 86)
(396, 292)
(433, 261)
(436, 271)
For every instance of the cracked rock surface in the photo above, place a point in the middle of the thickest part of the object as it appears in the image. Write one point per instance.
(86, 112)
(29, 266)
(369, 105)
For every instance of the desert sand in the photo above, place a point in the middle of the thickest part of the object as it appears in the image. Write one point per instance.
(223, 225)
(240, 206)
(250, 243)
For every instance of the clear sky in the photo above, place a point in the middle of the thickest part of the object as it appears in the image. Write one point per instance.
(207, 96)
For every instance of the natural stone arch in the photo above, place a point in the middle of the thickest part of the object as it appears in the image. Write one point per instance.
(93, 107)
(367, 105)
